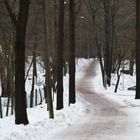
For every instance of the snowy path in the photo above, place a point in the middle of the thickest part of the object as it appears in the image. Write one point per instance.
(109, 121)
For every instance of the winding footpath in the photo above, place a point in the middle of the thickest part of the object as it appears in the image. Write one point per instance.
(109, 121)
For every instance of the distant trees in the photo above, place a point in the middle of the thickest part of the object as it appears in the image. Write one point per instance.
(93, 8)
(109, 33)
(5, 40)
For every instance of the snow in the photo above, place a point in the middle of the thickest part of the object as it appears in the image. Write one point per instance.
(42, 128)
(123, 97)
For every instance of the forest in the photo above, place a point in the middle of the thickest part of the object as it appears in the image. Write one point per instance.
(44, 42)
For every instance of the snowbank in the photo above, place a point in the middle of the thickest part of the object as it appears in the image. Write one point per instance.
(123, 97)
(41, 127)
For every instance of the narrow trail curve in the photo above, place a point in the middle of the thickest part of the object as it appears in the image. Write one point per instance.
(108, 122)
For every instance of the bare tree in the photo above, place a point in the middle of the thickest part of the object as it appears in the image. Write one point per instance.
(72, 98)
(19, 22)
(48, 44)
(60, 56)
(137, 49)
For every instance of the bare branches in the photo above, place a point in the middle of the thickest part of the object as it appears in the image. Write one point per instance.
(92, 7)
(10, 11)
(78, 4)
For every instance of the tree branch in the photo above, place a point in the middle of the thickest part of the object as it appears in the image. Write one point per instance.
(10, 11)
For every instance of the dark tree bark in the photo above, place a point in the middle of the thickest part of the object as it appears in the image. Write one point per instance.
(47, 63)
(107, 41)
(20, 97)
(60, 56)
(55, 30)
(1, 115)
(33, 78)
(132, 62)
(131, 66)
(137, 49)
(3, 76)
(20, 22)
(72, 98)
(118, 76)
(100, 60)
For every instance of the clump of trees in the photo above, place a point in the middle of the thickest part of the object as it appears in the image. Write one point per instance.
(19, 17)
(113, 32)
(78, 28)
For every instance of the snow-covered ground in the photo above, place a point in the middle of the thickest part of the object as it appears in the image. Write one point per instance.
(123, 96)
(41, 127)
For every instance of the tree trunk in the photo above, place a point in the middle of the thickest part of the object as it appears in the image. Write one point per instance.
(107, 41)
(118, 76)
(132, 62)
(137, 49)
(20, 96)
(19, 22)
(118, 80)
(100, 60)
(131, 66)
(3, 75)
(33, 79)
(60, 56)
(48, 43)
(72, 52)
(55, 35)
(1, 112)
